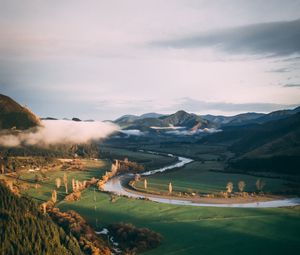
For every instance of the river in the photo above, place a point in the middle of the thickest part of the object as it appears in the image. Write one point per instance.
(114, 185)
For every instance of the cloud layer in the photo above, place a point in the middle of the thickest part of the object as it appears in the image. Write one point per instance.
(273, 38)
(60, 132)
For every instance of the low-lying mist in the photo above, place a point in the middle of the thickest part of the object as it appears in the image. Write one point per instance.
(59, 132)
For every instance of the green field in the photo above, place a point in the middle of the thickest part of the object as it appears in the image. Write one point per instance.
(199, 230)
(197, 177)
(93, 169)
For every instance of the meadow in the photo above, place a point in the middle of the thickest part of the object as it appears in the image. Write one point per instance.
(197, 230)
(43, 192)
(208, 177)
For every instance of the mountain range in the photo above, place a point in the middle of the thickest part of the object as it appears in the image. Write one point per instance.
(193, 121)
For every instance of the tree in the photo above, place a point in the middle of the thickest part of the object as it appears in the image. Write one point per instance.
(241, 185)
(44, 207)
(170, 188)
(73, 185)
(58, 182)
(77, 185)
(260, 184)
(54, 196)
(229, 187)
(66, 182)
(94, 195)
(145, 184)
(137, 177)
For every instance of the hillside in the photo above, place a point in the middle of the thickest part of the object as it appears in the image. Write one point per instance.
(25, 230)
(282, 133)
(13, 115)
(271, 146)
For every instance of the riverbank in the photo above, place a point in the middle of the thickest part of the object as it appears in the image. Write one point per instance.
(116, 185)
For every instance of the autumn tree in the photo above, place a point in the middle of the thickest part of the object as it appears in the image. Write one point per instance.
(66, 182)
(229, 187)
(44, 207)
(77, 185)
(73, 185)
(241, 185)
(58, 182)
(54, 196)
(170, 188)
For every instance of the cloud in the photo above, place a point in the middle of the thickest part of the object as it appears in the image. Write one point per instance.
(197, 106)
(279, 70)
(291, 85)
(272, 38)
(60, 132)
(134, 132)
(189, 132)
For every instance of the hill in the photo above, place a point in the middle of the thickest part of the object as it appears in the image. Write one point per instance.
(127, 120)
(220, 120)
(270, 146)
(13, 115)
(178, 119)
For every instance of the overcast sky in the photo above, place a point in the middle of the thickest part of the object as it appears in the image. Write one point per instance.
(102, 59)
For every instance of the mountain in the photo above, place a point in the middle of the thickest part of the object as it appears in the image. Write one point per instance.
(220, 120)
(274, 145)
(179, 119)
(249, 118)
(151, 115)
(277, 115)
(184, 119)
(13, 115)
(129, 119)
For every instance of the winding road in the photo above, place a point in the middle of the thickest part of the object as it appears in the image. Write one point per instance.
(114, 185)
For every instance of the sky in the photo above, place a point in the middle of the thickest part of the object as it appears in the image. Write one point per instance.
(101, 59)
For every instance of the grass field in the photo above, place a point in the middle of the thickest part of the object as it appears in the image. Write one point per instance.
(199, 230)
(43, 192)
(197, 177)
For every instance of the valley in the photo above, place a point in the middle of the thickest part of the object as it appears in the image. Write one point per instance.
(183, 189)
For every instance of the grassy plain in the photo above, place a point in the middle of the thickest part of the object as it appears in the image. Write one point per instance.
(198, 177)
(198, 230)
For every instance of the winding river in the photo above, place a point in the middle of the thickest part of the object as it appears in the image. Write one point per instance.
(114, 185)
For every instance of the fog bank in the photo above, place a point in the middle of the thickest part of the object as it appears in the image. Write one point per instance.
(60, 132)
